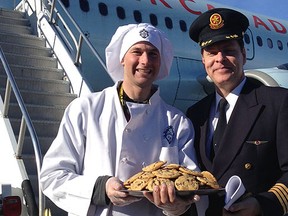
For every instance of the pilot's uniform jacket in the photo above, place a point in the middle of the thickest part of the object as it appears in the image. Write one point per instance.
(94, 139)
(254, 145)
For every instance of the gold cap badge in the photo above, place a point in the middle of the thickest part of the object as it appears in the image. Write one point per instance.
(216, 21)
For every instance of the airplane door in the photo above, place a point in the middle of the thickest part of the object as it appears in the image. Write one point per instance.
(249, 45)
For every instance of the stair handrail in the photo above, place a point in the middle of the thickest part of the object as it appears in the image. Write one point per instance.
(78, 43)
(25, 122)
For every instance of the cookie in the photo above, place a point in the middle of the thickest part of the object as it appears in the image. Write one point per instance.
(172, 166)
(154, 166)
(147, 175)
(132, 179)
(166, 173)
(157, 182)
(188, 171)
(207, 178)
(186, 183)
(139, 184)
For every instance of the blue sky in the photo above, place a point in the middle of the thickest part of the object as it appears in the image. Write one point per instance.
(273, 8)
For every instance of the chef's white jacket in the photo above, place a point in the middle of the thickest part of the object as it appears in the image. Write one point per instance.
(94, 139)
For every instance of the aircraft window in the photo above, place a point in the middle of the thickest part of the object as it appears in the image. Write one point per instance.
(168, 23)
(269, 43)
(153, 19)
(280, 45)
(84, 5)
(259, 41)
(183, 25)
(247, 39)
(103, 9)
(120, 12)
(137, 16)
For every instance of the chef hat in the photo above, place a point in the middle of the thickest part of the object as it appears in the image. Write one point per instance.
(128, 35)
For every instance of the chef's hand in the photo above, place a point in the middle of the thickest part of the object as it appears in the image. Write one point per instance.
(117, 197)
(248, 206)
(164, 197)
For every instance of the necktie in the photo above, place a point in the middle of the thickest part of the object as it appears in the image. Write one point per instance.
(220, 128)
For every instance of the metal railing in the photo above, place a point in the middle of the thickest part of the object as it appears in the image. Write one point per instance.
(25, 123)
(55, 17)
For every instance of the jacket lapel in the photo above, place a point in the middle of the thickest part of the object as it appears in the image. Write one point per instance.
(243, 116)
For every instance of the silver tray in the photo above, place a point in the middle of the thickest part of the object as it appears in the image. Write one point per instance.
(180, 193)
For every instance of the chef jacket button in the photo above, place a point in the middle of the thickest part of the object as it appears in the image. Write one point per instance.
(147, 112)
(128, 130)
(124, 160)
(248, 166)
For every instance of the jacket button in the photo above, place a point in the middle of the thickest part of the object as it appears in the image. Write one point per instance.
(248, 166)
(124, 160)
(128, 130)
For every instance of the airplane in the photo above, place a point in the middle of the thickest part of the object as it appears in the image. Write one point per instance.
(265, 41)
(79, 31)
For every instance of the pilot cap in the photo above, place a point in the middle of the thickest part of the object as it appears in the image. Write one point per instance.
(218, 24)
(125, 37)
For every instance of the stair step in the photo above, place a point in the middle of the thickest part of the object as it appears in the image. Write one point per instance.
(35, 61)
(25, 50)
(42, 85)
(14, 21)
(37, 112)
(34, 72)
(42, 98)
(31, 40)
(42, 128)
(11, 13)
(45, 143)
(15, 29)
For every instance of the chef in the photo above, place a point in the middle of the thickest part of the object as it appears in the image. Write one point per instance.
(106, 137)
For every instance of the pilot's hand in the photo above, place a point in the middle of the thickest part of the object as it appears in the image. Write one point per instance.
(249, 206)
(117, 197)
(164, 197)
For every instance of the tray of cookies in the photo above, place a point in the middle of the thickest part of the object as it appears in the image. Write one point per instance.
(187, 182)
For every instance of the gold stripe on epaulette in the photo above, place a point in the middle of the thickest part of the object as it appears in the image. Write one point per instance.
(281, 192)
(232, 36)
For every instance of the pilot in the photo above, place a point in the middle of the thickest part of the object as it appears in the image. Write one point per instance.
(106, 137)
(247, 134)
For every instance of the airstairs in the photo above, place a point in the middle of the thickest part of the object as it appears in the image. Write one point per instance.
(42, 85)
